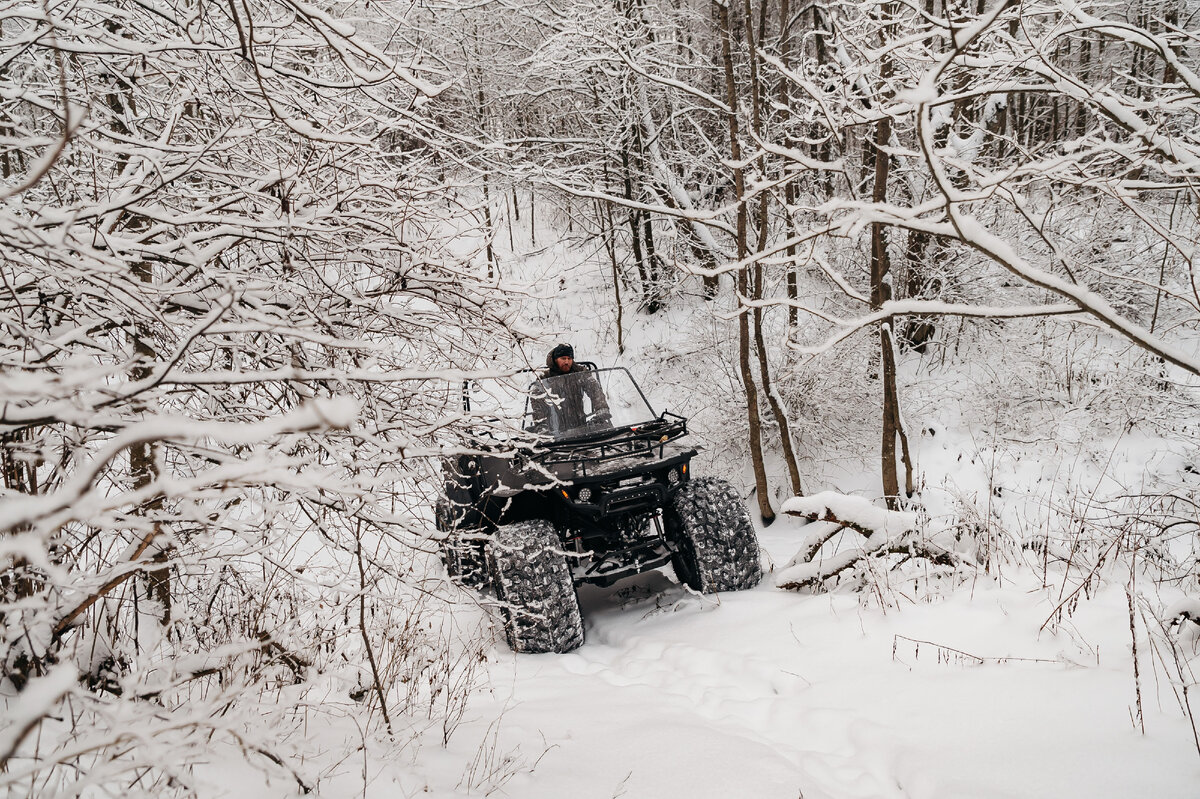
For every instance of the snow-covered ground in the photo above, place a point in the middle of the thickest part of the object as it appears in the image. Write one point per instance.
(771, 694)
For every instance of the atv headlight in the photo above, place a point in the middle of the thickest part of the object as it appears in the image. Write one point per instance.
(673, 477)
(585, 495)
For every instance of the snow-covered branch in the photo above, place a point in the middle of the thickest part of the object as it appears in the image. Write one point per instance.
(884, 532)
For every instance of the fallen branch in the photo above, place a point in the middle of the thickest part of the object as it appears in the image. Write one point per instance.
(946, 653)
(886, 532)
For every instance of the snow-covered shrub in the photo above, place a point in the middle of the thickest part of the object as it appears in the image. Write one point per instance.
(223, 299)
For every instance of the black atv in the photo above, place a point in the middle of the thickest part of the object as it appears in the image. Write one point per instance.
(595, 487)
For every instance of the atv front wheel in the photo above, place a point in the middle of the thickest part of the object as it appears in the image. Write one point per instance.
(532, 579)
(718, 549)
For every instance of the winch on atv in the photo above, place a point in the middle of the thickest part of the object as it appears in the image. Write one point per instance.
(595, 487)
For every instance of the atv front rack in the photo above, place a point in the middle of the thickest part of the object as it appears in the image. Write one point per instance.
(642, 440)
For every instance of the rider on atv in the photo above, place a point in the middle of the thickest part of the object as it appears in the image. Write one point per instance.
(558, 406)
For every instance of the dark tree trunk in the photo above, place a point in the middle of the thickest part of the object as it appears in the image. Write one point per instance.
(608, 233)
(487, 198)
(750, 387)
(635, 229)
(881, 293)
(143, 463)
(764, 367)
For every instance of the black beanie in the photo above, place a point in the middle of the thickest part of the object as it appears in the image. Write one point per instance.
(561, 350)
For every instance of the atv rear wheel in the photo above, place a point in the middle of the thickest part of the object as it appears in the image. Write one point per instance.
(461, 550)
(532, 579)
(718, 549)
(464, 558)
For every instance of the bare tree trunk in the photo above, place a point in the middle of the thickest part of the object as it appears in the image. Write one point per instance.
(777, 410)
(643, 223)
(514, 216)
(17, 580)
(764, 367)
(635, 229)
(891, 413)
(143, 463)
(487, 198)
(916, 331)
(751, 389)
(143, 456)
(376, 680)
(487, 226)
(654, 293)
(823, 150)
(789, 190)
(608, 234)
(880, 293)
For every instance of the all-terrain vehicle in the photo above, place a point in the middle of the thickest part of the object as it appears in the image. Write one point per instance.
(594, 487)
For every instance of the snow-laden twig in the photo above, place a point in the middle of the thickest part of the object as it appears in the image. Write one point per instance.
(316, 415)
(33, 704)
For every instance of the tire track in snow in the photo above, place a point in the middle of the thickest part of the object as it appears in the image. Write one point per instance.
(836, 755)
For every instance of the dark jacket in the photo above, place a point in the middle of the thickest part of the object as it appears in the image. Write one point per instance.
(558, 399)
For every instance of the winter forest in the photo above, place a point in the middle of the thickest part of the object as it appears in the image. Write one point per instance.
(921, 275)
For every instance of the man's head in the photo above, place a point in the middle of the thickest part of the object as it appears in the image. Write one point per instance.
(562, 357)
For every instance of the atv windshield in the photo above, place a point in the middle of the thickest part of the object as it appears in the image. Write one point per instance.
(584, 403)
